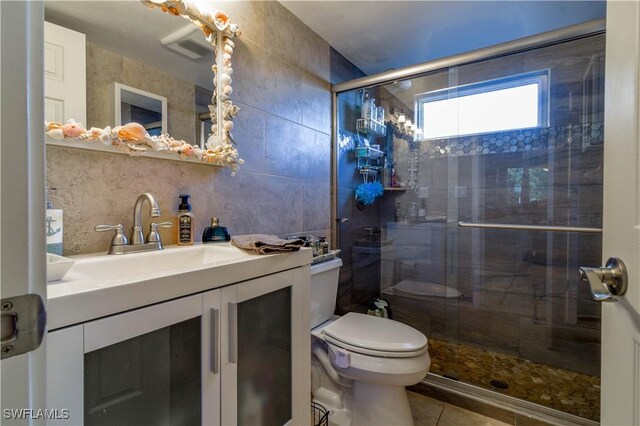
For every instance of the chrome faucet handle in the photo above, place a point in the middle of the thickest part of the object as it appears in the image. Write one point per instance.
(153, 236)
(119, 239)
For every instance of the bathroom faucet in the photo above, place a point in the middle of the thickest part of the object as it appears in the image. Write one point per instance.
(137, 237)
(119, 242)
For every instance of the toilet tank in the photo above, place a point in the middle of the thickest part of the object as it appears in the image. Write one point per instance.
(324, 290)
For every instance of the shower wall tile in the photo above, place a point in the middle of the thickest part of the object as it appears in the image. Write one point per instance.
(282, 132)
(490, 70)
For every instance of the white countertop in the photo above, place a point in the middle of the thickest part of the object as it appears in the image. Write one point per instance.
(99, 285)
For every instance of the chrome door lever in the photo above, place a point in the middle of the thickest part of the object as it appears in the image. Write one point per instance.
(606, 282)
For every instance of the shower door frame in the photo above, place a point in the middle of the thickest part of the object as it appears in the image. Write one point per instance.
(549, 38)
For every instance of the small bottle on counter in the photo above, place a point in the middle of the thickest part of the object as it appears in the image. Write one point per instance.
(324, 246)
(215, 233)
(185, 222)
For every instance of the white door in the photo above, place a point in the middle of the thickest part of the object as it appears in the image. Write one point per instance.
(64, 74)
(621, 223)
(22, 251)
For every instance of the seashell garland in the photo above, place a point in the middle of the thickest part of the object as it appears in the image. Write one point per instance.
(215, 25)
(133, 140)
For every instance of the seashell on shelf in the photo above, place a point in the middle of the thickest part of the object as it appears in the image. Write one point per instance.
(56, 134)
(72, 129)
(213, 141)
(133, 132)
(105, 136)
(227, 90)
(228, 126)
(228, 49)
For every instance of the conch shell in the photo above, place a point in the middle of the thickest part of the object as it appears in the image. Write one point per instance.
(132, 132)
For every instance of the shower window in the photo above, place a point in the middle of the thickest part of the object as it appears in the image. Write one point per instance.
(514, 102)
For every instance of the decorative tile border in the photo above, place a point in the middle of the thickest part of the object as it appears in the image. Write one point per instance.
(525, 140)
(536, 139)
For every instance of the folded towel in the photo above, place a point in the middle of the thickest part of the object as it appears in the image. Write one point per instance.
(265, 244)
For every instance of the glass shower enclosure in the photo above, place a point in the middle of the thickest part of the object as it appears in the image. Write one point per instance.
(467, 197)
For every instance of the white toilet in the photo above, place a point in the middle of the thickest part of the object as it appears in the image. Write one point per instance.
(361, 363)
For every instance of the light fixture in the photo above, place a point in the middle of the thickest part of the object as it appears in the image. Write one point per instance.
(402, 118)
(408, 124)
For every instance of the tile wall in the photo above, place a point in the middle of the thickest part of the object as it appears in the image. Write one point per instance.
(281, 83)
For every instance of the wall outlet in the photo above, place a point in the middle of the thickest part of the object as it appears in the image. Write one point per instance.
(423, 192)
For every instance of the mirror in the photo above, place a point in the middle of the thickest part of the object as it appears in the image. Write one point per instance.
(131, 104)
(156, 55)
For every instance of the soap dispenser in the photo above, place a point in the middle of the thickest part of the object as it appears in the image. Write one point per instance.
(215, 233)
(185, 222)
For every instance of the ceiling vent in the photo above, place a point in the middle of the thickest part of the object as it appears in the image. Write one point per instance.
(188, 41)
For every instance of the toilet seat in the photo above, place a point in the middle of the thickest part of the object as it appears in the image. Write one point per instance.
(374, 336)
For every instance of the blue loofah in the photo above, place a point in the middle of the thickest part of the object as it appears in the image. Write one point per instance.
(367, 193)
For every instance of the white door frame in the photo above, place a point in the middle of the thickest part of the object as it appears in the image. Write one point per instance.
(620, 374)
(22, 196)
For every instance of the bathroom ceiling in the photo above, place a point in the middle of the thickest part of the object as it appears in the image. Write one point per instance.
(380, 35)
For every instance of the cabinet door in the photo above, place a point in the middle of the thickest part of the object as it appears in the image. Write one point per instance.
(65, 384)
(263, 325)
(143, 366)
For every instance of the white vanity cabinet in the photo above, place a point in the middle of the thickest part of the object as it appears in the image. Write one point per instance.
(238, 354)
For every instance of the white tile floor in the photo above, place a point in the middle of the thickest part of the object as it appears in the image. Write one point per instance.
(431, 412)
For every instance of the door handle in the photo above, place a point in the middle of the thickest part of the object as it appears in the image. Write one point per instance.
(606, 282)
(215, 346)
(233, 333)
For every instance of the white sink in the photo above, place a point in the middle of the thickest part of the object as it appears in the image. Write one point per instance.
(99, 284)
(151, 264)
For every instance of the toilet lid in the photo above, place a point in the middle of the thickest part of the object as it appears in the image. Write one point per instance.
(369, 333)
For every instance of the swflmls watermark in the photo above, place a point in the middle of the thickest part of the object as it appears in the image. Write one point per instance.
(30, 413)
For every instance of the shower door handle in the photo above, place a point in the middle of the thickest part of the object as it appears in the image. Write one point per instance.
(606, 282)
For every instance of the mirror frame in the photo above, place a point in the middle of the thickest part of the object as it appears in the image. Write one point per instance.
(118, 88)
(132, 139)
